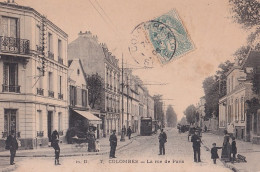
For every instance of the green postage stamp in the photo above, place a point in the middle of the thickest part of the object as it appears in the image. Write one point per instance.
(162, 39)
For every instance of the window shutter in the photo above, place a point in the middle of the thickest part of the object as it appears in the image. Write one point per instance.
(6, 74)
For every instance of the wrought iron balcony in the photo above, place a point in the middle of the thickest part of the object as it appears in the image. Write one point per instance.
(14, 45)
(50, 55)
(40, 133)
(40, 91)
(40, 49)
(60, 96)
(50, 93)
(60, 60)
(11, 88)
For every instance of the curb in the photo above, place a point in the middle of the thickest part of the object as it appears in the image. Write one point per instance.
(9, 168)
(75, 154)
(231, 167)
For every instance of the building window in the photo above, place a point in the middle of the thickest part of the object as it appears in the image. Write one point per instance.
(10, 83)
(40, 121)
(84, 98)
(78, 71)
(59, 48)
(232, 83)
(9, 27)
(60, 121)
(242, 109)
(50, 84)
(50, 45)
(38, 36)
(236, 109)
(73, 95)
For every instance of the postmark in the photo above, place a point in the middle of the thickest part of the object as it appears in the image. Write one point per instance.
(162, 39)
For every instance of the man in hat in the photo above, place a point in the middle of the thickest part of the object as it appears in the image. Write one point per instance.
(162, 140)
(113, 144)
(12, 145)
(195, 139)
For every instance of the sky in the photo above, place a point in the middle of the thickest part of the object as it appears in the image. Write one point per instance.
(209, 24)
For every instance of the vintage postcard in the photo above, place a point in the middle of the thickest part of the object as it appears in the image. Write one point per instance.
(112, 85)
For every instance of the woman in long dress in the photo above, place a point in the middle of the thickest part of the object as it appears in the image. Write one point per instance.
(226, 153)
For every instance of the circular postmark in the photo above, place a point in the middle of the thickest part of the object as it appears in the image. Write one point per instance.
(152, 41)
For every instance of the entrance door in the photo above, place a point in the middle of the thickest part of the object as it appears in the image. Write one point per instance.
(50, 124)
(9, 121)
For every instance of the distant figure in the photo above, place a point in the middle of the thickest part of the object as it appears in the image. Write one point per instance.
(55, 145)
(233, 149)
(214, 152)
(195, 139)
(129, 132)
(226, 153)
(97, 146)
(205, 128)
(12, 145)
(162, 140)
(91, 141)
(113, 144)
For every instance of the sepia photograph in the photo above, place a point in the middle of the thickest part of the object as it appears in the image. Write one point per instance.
(129, 85)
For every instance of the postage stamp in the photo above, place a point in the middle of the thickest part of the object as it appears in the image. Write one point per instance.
(162, 39)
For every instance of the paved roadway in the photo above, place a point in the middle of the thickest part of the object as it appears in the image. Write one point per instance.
(140, 155)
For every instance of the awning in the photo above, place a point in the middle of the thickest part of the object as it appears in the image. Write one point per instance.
(88, 115)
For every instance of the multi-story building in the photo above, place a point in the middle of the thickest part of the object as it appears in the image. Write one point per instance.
(80, 113)
(96, 58)
(33, 98)
(232, 112)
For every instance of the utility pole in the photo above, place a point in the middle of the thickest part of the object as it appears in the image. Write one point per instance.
(127, 110)
(122, 131)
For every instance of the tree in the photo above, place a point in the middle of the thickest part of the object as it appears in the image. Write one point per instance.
(171, 117)
(246, 13)
(95, 89)
(183, 121)
(158, 108)
(211, 90)
(190, 113)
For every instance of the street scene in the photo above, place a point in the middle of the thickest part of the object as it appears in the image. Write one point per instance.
(130, 86)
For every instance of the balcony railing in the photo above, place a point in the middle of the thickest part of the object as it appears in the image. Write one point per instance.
(50, 93)
(40, 49)
(40, 133)
(60, 60)
(50, 55)
(11, 88)
(40, 91)
(14, 45)
(60, 96)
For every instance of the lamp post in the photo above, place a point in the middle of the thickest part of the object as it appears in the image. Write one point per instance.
(122, 130)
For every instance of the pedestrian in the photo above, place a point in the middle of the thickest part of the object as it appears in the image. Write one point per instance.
(226, 148)
(233, 149)
(12, 145)
(205, 128)
(129, 132)
(97, 146)
(162, 140)
(55, 145)
(195, 139)
(113, 144)
(214, 152)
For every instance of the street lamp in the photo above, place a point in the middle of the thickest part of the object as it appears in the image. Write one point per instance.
(122, 130)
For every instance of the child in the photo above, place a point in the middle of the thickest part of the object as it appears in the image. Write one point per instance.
(214, 152)
(97, 146)
(233, 149)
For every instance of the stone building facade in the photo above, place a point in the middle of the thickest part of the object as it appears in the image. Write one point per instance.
(33, 98)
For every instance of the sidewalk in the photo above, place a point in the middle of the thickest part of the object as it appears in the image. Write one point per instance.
(247, 149)
(67, 150)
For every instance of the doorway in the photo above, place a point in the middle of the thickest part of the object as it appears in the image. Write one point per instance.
(9, 121)
(50, 124)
